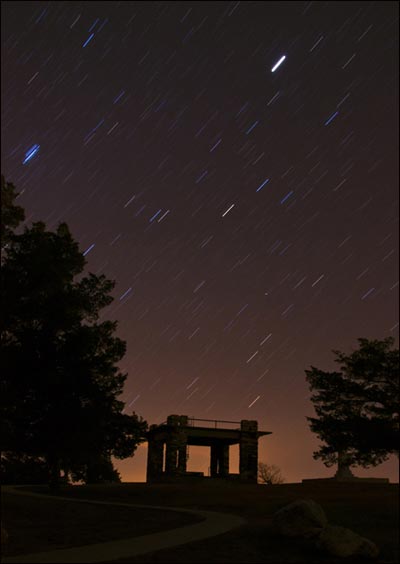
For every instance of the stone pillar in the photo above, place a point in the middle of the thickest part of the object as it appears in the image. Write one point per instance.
(224, 460)
(248, 451)
(214, 460)
(171, 458)
(219, 461)
(155, 455)
(176, 443)
(182, 459)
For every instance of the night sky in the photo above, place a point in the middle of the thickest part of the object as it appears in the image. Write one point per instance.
(248, 215)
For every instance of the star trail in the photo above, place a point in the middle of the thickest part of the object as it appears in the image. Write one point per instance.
(244, 201)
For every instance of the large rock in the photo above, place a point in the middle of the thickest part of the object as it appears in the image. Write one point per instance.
(302, 518)
(343, 542)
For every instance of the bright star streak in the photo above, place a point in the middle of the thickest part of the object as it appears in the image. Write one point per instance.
(278, 64)
(316, 282)
(129, 201)
(119, 96)
(125, 293)
(266, 339)
(228, 210)
(252, 356)
(253, 402)
(88, 250)
(328, 121)
(286, 197)
(155, 215)
(262, 185)
(251, 127)
(216, 145)
(88, 39)
(162, 217)
(133, 401)
(31, 153)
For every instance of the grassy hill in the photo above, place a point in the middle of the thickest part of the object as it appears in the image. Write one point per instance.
(369, 509)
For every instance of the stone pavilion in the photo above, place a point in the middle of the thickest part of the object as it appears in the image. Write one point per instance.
(168, 448)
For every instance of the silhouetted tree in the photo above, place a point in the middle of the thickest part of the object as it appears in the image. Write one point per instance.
(358, 408)
(269, 474)
(11, 214)
(60, 379)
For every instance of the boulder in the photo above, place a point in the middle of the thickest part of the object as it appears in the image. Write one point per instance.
(302, 518)
(342, 542)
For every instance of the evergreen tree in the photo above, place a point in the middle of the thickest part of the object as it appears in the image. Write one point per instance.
(61, 383)
(358, 408)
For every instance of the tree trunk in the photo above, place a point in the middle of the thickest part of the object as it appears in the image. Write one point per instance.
(344, 464)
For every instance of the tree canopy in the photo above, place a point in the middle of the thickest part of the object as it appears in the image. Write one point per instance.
(61, 382)
(357, 407)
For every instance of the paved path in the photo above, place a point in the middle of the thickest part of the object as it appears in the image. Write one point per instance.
(214, 524)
